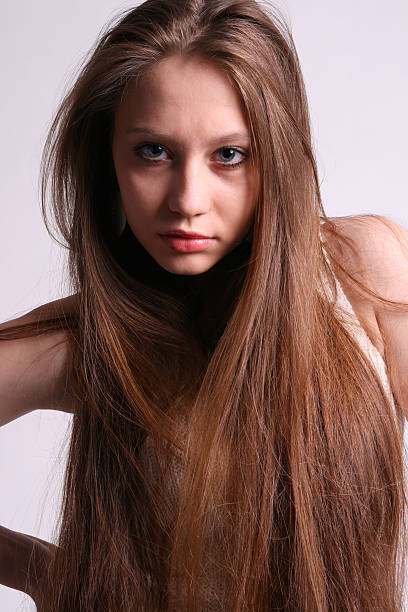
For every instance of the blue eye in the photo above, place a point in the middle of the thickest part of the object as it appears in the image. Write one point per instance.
(233, 151)
(156, 150)
(153, 147)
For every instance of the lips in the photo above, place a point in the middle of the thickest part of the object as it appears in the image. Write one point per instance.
(187, 235)
(189, 243)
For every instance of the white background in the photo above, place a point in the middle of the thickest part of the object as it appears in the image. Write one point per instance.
(353, 55)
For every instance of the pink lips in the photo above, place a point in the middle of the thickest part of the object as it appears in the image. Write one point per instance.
(186, 243)
(184, 234)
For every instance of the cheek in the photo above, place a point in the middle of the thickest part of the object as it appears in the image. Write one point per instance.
(252, 197)
(139, 196)
(238, 206)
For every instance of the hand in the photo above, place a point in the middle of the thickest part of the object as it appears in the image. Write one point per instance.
(23, 562)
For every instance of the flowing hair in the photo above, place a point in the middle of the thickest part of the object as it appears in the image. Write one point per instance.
(232, 451)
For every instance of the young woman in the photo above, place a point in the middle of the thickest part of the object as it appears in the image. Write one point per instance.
(235, 360)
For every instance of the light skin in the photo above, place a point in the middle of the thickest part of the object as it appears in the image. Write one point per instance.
(183, 176)
(32, 376)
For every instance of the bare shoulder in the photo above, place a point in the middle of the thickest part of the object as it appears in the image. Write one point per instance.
(375, 251)
(379, 259)
(35, 370)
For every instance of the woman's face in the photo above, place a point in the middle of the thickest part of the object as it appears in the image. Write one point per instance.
(180, 149)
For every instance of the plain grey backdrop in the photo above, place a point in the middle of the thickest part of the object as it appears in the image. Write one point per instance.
(353, 55)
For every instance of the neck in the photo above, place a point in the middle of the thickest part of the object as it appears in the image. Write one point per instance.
(209, 297)
(141, 265)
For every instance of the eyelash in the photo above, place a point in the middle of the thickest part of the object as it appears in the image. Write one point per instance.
(139, 148)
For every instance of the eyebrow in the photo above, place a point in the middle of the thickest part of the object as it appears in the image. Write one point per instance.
(213, 141)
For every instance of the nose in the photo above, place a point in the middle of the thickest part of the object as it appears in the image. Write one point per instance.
(189, 192)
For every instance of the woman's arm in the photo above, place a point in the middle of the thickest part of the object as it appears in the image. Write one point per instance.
(23, 562)
(380, 262)
(390, 262)
(34, 374)
(34, 370)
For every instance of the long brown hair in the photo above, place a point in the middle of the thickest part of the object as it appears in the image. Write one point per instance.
(230, 450)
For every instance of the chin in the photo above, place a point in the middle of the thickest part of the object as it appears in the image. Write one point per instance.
(186, 268)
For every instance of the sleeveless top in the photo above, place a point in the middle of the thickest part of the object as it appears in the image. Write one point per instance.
(355, 328)
(353, 325)
(213, 588)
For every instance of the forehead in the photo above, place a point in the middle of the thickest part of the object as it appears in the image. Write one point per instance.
(181, 90)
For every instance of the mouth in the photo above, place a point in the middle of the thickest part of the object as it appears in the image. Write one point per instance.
(183, 243)
(187, 235)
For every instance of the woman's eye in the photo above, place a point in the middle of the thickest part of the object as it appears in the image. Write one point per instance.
(152, 152)
(229, 154)
(155, 149)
